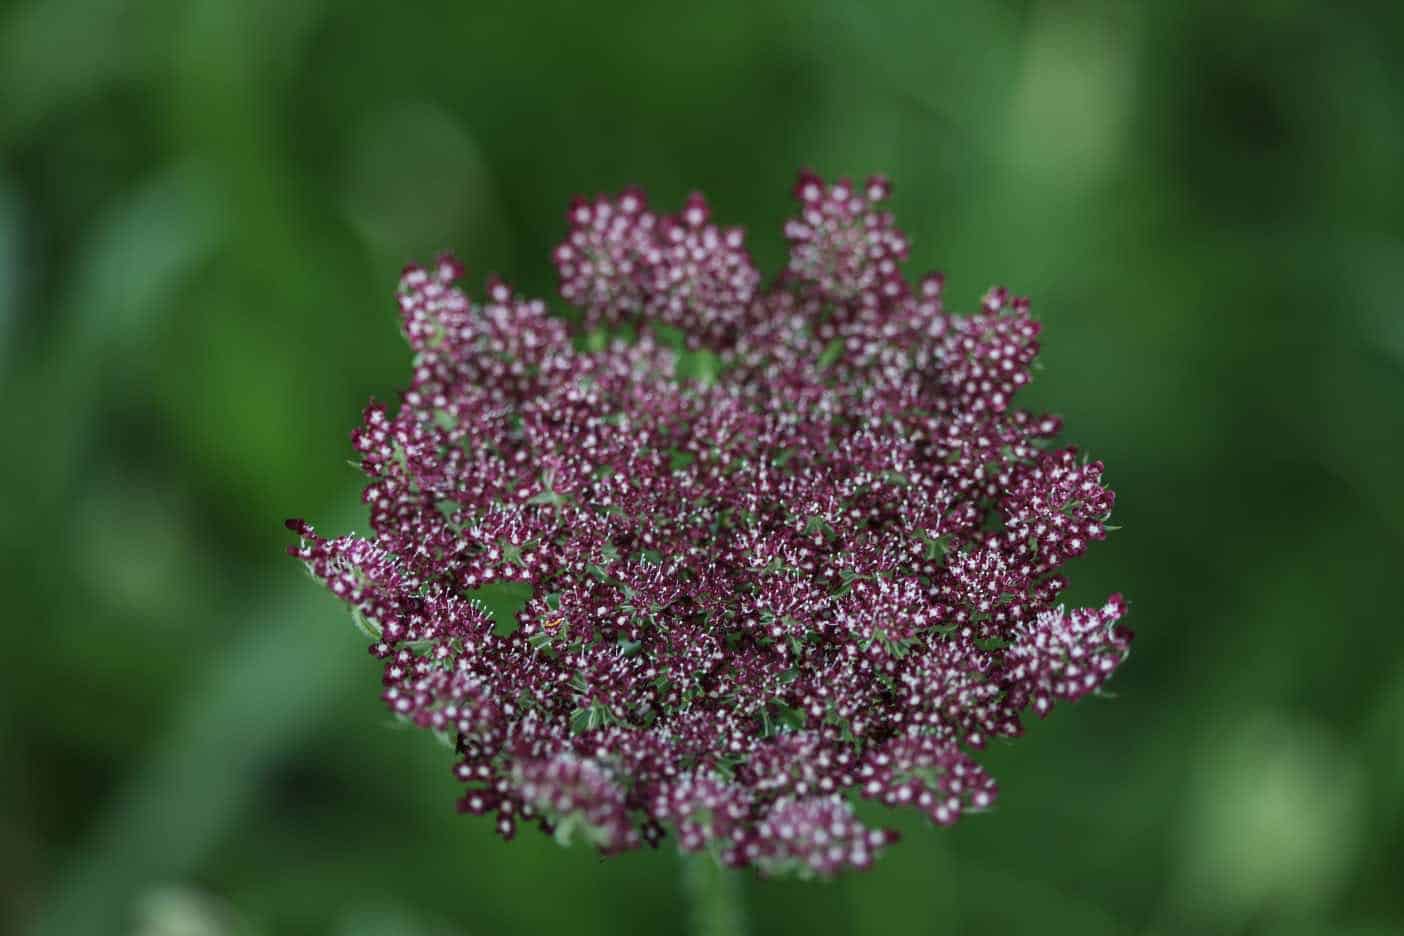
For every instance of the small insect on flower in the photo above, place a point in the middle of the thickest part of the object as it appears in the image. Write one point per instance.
(782, 548)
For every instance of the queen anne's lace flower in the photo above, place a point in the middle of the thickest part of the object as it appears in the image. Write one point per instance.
(824, 567)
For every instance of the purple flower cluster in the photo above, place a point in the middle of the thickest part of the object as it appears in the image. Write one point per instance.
(820, 565)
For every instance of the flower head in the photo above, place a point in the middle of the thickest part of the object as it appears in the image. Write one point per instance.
(822, 567)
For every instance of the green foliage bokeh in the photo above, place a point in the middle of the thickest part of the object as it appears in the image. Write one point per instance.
(203, 209)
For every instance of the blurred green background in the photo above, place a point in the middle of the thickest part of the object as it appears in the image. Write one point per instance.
(203, 209)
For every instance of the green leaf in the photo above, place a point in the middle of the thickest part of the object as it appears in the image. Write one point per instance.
(830, 354)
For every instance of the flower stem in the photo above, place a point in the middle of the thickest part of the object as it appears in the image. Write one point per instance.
(714, 892)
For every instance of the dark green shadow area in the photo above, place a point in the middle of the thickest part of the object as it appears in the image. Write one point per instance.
(503, 600)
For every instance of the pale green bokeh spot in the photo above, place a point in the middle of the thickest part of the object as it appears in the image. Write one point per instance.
(1273, 821)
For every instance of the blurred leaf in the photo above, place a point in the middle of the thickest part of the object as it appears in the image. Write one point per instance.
(184, 911)
(11, 281)
(251, 702)
(417, 184)
(127, 269)
(139, 254)
(390, 922)
(1069, 116)
(54, 51)
(1273, 823)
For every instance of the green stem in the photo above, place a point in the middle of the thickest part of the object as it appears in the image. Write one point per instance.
(715, 893)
